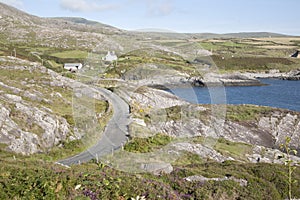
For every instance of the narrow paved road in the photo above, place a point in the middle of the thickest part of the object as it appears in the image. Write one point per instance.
(114, 135)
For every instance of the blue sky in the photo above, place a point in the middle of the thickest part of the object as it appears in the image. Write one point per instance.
(217, 16)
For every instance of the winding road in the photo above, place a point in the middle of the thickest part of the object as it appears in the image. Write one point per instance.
(114, 135)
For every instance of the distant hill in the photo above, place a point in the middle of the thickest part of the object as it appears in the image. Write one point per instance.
(237, 35)
(19, 27)
(255, 35)
(79, 20)
(174, 35)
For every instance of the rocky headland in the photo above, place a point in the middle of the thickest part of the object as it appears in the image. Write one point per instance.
(262, 134)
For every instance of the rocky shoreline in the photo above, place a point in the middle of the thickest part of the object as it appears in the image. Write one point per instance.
(214, 79)
(236, 79)
(243, 79)
(292, 75)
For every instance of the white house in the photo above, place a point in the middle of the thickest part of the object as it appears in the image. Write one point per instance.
(73, 67)
(110, 56)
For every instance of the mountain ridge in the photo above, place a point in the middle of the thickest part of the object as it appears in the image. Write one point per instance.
(7, 10)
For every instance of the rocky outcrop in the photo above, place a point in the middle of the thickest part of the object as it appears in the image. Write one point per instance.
(203, 179)
(213, 79)
(21, 136)
(157, 168)
(293, 75)
(268, 131)
(27, 126)
(265, 133)
(148, 98)
(205, 152)
(268, 74)
(282, 124)
(29, 119)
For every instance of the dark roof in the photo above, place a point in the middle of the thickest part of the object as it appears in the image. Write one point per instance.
(295, 55)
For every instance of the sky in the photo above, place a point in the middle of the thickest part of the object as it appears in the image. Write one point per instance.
(187, 16)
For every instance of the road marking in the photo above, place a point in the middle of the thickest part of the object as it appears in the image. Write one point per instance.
(63, 165)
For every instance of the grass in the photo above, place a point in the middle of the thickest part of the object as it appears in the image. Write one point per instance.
(222, 45)
(227, 148)
(188, 158)
(235, 150)
(250, 63)
(21, 178)
(64, 150)
(246, 112)
(76, 54)
(14, 77)
(55, 66)
(162, 60)
(145, 145)
(174, 113)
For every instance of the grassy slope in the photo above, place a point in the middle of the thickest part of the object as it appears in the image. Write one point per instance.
(253, 54)
(61, 106)
(25, 178)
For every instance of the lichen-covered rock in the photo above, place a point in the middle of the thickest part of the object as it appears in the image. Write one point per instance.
(157, 168)
(281, 125)
(53, 129)
(202, 179)
(154, 98)
(30, 121)
(202, 151)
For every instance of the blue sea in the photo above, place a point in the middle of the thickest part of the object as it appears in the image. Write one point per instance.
(277, 93)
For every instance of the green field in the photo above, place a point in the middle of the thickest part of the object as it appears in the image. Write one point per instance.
(75, 54)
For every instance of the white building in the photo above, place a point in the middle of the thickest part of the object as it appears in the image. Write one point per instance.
(73, 67)
(110, 56)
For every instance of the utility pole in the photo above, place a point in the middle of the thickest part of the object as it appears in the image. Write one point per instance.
(15, 52)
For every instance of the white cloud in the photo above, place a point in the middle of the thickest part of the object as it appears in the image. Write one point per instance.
(14, 3)
(160, 7)
(85, 6)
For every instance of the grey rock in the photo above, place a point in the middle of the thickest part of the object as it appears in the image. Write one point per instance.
(32, 96)
(13, 98)
(157, 168)
(213, 79)
(201, 150)
(11, 88)
(26, 144)
(155, 98)
(281, 125)
(293, 75)
(203, 179)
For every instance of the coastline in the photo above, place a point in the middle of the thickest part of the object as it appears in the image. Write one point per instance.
(216, 80)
